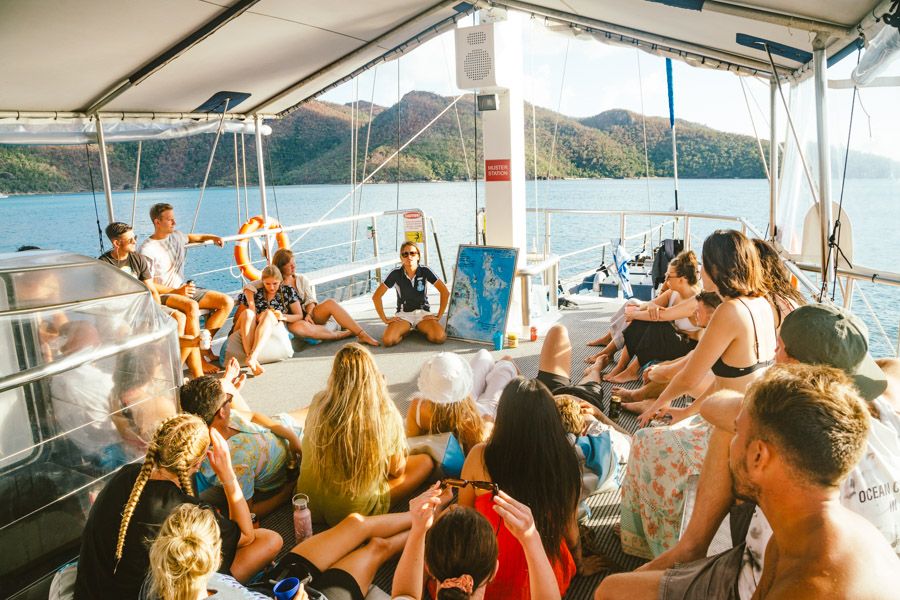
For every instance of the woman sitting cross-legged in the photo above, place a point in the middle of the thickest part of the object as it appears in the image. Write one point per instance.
(410, 281)
(259, 333)
(325, 320)
(656, 377)
(529, 456)
(458, 550)
(187, 552)
(354, 448)
(444, 402)
(662, 332)
(138, 498)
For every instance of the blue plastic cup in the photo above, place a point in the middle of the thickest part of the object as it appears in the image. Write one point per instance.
(286, 589)
(498, 340)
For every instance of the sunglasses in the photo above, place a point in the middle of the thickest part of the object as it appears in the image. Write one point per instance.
(487, 486)
(405, 254)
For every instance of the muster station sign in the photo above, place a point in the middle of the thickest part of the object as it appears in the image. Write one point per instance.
(496, 170)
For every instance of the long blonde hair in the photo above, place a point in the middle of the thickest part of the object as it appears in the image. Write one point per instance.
(186, 552)
(460, 418)
(353, 425)
(180, 443)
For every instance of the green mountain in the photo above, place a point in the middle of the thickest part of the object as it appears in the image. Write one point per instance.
(313, 145)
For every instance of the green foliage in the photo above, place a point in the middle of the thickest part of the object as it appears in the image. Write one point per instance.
(313, 145)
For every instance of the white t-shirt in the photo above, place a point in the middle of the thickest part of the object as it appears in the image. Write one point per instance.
(167, 257)
(81, 406)
(872, 490)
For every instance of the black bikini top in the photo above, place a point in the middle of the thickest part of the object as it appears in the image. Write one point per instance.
(722, 369)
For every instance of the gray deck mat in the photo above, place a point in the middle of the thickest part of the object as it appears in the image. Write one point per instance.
(308, 371)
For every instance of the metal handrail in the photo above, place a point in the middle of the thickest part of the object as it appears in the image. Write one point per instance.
(369, 216)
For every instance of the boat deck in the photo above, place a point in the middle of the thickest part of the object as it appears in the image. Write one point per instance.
(291, 384)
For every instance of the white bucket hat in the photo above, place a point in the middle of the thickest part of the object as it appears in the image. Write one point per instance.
(445, 378)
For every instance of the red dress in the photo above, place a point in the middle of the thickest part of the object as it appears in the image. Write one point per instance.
(511, 581)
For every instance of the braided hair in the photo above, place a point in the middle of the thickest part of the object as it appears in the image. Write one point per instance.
(179, 443)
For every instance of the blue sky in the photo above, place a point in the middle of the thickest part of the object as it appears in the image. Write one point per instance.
(600, 77)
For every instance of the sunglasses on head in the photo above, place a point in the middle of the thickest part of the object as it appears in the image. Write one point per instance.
(487, 486)
(410, 253)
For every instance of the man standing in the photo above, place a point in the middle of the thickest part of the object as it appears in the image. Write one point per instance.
(799, 433)
(123, 256)
(167, 250)
(264, 450)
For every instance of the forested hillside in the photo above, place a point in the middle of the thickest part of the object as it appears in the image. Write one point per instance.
(313, 145)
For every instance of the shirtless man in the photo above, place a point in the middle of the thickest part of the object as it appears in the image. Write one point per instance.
(799, 433)
(166, 249)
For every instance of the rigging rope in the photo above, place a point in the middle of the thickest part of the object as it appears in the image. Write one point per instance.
(244, 176)
(562, 83)
(534, 150)
(835, 237)
(212, 155)
(762, 155)
(137, 183)
(237, 181)
(383, 164)
(397, 217)
(87, 156)
(646, 152)
(462, 140)
(475, 152)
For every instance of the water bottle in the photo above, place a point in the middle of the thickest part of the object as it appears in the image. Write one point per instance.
(205, 339)
(302, 518)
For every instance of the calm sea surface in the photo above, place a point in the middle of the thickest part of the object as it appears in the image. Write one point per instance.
(68, 222)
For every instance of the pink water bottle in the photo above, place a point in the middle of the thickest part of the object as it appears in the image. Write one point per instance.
(302, 518)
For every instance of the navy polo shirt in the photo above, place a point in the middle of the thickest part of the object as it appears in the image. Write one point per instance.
(411, 292)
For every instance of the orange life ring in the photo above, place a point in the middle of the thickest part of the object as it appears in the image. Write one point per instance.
(242, 250)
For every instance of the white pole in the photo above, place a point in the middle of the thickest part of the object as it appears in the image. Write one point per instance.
(104, 170)
(773, 157)
(821, 83)
(261, 171)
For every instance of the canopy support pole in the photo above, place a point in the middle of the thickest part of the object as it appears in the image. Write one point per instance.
(821, 86)
(104, 171)
(261, 171)
(773, 158)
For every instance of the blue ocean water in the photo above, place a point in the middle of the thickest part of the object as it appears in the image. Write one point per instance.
(69, 222)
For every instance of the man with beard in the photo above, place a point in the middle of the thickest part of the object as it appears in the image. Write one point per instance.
(799, 433)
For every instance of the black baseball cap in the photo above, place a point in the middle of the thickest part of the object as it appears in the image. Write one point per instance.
(822, 334)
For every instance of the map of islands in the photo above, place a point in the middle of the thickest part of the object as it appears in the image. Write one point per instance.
(482, 286)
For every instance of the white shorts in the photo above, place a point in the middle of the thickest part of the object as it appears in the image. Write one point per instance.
(413, 317)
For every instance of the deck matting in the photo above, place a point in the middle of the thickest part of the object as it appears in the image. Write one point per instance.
(401, 365)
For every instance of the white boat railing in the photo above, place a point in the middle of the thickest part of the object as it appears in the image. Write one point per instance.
(681, 224)
(363, 262)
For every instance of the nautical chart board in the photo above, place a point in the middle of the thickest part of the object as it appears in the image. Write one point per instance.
(481, 294)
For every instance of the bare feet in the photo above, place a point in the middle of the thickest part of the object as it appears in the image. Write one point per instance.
(344, 334)
(638, 407)
(365, 338)
(599, 364)
(601, 341)
(628, 395)
(629, 373)
(208, 367)
(255, 367)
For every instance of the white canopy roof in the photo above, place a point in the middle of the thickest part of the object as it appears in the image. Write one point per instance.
(171, 56)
